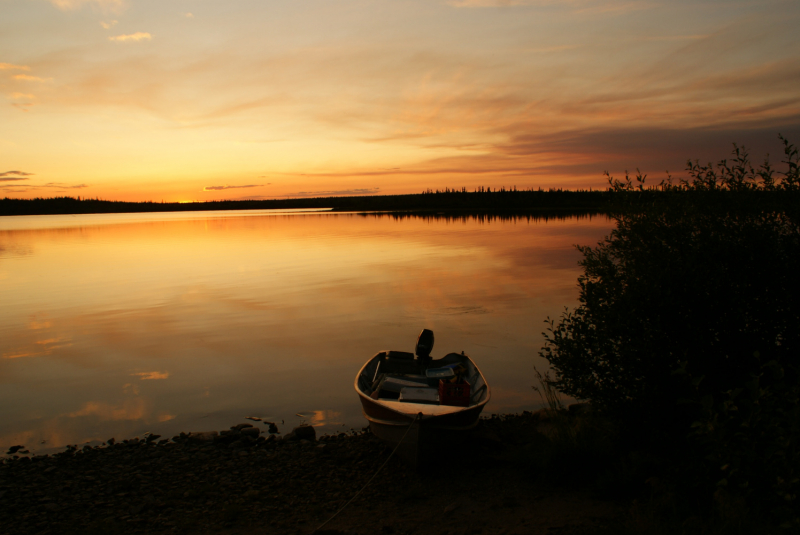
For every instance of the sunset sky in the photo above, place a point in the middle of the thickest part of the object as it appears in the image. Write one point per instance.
(210, 99)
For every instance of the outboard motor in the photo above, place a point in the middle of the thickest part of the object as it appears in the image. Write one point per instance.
(424, 345)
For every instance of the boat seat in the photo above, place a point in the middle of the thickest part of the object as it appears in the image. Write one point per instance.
(400, 365)
(396, 384)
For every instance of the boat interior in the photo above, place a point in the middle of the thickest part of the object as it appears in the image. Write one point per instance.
(397, 377)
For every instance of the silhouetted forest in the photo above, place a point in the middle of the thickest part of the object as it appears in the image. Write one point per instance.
(483, 200)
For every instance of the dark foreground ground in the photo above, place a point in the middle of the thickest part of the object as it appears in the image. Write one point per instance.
(239, 484)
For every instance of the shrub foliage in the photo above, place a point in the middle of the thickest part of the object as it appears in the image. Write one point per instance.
(688, 328)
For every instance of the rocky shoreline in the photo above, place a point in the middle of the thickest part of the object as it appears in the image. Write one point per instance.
(240, 479)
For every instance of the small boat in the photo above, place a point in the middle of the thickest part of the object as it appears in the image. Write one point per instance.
(421, 404)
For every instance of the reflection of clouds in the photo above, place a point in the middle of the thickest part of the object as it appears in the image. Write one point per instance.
(19, 354)
(12, 249)
(467, 309)
(144, 376)
(325, 417)
(270, 325)
(37, 340)
(131, 409)
(40, 348)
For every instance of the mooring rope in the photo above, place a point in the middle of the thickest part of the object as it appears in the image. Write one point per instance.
(417, 417)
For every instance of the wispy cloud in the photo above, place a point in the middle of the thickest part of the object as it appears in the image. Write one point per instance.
(11, 66)
(594, 6)
(16, 188)
(13, 178)
(30, 78)
(17, 173)
(320, 193)
(144, 376)
(135, 37)
(108, 25)
(111, 5)
(493, 3)
(334, 193)
(22, 101)
(188, 15)
(220, 188)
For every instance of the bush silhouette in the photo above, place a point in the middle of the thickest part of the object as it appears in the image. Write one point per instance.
(688, 324)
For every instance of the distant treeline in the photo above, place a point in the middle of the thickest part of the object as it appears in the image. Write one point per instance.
(482, 200)
(450, 202)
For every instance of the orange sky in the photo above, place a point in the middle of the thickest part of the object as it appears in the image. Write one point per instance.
(209, 99)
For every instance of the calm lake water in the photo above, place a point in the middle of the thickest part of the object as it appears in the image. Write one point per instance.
(116, 325)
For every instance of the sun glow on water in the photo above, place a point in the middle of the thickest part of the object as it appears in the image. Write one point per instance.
(168, 323)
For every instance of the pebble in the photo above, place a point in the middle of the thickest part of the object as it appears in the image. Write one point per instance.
(203, 436)
(303, 432)
(452, 507)
(195, 479)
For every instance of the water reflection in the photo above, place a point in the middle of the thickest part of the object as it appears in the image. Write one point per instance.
(115, 326)
(490, 217)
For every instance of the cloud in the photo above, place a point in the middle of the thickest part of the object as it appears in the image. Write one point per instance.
(532, 157)
(19, 173)
(188, 15)
(12, 179)
(29, 78)
(493, 3)
(15, 188)
(219, 188)
(306, 194)
(135, 37)
(144, 376)
(112, 5)
(594, 6)
(334, 193)
(61, 186)
(108, 25)
(10, 66)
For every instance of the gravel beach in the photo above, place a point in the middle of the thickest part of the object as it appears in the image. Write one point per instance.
(245, 480)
